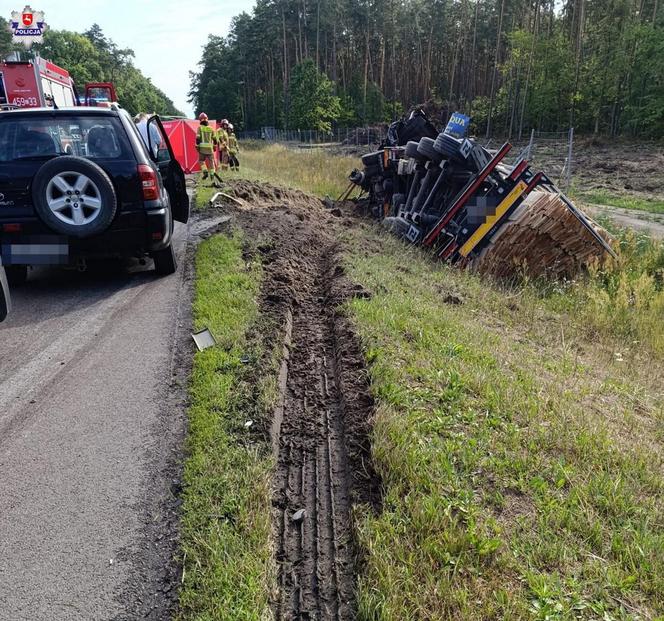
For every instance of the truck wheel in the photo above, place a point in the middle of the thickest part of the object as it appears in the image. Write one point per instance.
(16, 274)
(412, 129)
(73, 196)
(165, 262)
(426, 149)
(448, 146)
(411, 149)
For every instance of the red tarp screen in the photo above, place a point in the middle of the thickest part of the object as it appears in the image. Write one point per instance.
(182, 136)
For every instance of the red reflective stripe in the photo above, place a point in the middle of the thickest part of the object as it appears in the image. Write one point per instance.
(432, 235)
(533, 182)
(520, 167)
(448, 250)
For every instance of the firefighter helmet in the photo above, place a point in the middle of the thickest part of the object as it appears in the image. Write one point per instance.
(224, 122)
(202, 116)
(230, 126)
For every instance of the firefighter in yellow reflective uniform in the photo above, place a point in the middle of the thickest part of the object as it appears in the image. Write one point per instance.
(222, 144)
(233, 148)
(205, 143)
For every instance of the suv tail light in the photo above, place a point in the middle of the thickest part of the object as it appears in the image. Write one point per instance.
(149, 182)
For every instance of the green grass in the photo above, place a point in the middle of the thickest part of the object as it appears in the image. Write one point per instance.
(623, 301)
(624, 201)
(204, 192)
(225, 537)
(522, 460)
(311, 170)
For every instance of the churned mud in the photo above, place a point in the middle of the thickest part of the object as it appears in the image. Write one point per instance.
(320, 429)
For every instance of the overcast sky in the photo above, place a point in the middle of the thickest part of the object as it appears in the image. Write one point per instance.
(166, 35)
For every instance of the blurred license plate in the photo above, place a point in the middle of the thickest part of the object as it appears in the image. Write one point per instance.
(35, 250)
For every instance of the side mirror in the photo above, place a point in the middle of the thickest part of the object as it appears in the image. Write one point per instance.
(5, 301)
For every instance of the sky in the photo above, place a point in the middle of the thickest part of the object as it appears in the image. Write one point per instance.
(166, 35)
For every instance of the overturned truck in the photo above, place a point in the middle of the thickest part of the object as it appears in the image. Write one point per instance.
(450, 194)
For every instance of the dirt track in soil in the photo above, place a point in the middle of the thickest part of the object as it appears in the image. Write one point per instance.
(320, 431)
(641, 221)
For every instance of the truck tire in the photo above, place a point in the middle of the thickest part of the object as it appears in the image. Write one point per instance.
(425, 148)
(73, 196)
(413, 129)
(448, 146)
(165, 261)
(411, 149)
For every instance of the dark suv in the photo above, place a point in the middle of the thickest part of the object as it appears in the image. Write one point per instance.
(79, 183)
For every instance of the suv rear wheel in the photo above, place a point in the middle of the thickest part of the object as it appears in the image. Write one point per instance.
(73, 196)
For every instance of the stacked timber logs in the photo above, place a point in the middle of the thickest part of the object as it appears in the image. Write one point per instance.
(543, 237)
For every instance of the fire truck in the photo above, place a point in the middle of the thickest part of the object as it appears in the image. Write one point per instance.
(38, 82)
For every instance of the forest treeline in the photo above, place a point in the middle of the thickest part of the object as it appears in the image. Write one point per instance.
(93, 57)
(513, 65)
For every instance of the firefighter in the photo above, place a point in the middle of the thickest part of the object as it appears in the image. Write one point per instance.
(205, 143)
(222, 143)
(233, 149)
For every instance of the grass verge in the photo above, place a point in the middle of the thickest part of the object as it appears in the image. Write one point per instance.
(204, 192)
(521, 453)
(226, 508)
(311, 170)
(603, 197)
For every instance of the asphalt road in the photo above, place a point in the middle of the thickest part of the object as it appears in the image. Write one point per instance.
(91, 428)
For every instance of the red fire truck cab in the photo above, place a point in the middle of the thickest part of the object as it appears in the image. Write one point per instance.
(39, 82)
(99, 94)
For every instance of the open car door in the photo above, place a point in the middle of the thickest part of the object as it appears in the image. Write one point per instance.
(5, 303)
(171, 171)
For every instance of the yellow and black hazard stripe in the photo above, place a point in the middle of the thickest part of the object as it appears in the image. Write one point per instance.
(491, 220)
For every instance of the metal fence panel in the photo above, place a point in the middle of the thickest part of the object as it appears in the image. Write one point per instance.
(554, 149)
(358, 136)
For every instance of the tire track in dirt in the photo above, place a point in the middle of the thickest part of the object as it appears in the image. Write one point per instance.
(315, 552)
(320, 431)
